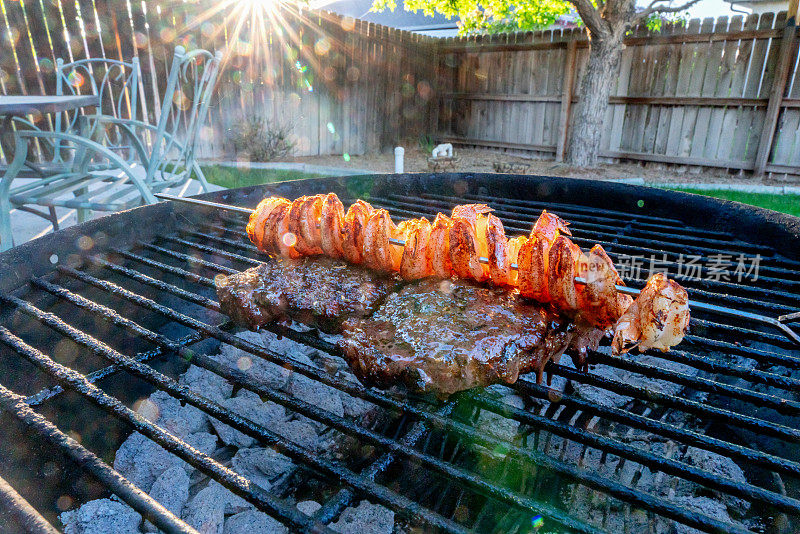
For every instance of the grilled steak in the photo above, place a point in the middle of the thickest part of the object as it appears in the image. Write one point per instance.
(318, 291)
(444, 336)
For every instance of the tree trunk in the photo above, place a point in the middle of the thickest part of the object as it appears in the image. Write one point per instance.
(595, 87)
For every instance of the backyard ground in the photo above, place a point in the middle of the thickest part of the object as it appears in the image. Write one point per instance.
(483, 161)
(473, 160)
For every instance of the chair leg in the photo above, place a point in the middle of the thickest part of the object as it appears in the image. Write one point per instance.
(200, 176)
(6, 239)
(54, 218)
(83, 213)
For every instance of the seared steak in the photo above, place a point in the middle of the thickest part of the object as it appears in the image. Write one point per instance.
(318, 291)
(444, 336)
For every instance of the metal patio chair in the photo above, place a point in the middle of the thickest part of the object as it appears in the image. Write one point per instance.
(119, 163)
(116, 83)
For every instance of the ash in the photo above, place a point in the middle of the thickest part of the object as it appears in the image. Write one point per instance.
(202, 502)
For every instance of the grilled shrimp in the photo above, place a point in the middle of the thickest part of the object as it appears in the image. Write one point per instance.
(377, 249)
(658, 318)
(497, 245)
(353, 231)
(468, 241)
(277, 236)
(532, 264)
(534, 259)
(549, 227)
(255, 226)
(414, 262)
(439, 247)
(514, 244)
(563, 257)
(600, 300)
(330, 226)
(303, 217)
(464, 251)
(471, 212)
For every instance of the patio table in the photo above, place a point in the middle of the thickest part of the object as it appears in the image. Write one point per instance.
(21, 105)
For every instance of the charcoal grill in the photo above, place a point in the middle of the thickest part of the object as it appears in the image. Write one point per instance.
(135, 292)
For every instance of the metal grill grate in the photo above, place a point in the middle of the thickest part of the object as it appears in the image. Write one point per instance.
(749, 413)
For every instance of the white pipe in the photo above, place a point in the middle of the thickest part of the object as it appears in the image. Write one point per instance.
(398, 159)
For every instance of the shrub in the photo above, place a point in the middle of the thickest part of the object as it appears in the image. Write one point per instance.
(262, 140)
(426, 143)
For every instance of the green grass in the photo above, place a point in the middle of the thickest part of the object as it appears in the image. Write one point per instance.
(787, 203)
(231, 177)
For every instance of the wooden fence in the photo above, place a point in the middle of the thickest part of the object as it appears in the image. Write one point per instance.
(343, 85)
(721, 93)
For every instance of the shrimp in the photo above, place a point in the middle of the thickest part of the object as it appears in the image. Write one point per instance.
(276, 229)
(602, 303)
(353, 231)
(468, 241)
(303, 217)
(658, 318)
(439, 247)
(512, 250)
(532, 269)
(330, 226)
(497, 252)
(549, 227)
(255, 226)
(464, 251)
(562, 259)
(377, 249)
(415, 262)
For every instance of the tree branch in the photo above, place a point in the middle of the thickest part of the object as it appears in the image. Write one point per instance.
(655, 8)
(590, 16)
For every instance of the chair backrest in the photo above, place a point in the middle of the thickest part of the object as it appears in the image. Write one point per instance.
(115, 82)
(187, 97)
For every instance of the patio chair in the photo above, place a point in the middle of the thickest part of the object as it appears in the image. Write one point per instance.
(97, 174)
(115, 82)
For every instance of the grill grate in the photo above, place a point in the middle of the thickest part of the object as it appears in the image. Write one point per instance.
(167, 278)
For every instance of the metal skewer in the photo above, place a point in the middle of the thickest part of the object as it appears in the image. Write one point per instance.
(693, 304)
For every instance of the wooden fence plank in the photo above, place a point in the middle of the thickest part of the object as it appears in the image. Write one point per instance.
(776, 92)
(738, 77)
(570, 61)
(713, 59)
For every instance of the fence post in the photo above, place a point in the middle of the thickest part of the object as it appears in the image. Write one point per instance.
(776, 92)
(566, 96)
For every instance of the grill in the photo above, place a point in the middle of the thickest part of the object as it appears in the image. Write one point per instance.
(134, 292)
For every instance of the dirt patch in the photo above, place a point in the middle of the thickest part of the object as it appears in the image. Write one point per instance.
(475, 160)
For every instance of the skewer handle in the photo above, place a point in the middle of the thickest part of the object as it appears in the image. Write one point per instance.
(693, 304)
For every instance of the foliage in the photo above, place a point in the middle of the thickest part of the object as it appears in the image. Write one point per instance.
(426, 143)
(657, 20)
(488, 16)
(231, 177)
(786, 203)
(262, 140)
(503, 16)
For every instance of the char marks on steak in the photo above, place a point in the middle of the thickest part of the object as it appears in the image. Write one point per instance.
(446, 336)
(319, 291)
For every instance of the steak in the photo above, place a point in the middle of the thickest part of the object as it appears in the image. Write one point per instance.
(446, 336)
(318, 291)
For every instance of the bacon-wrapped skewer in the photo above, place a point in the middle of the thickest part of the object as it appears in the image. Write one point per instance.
(472, 244)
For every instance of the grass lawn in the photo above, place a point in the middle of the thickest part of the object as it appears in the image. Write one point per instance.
(231, 177)
(784, 203)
